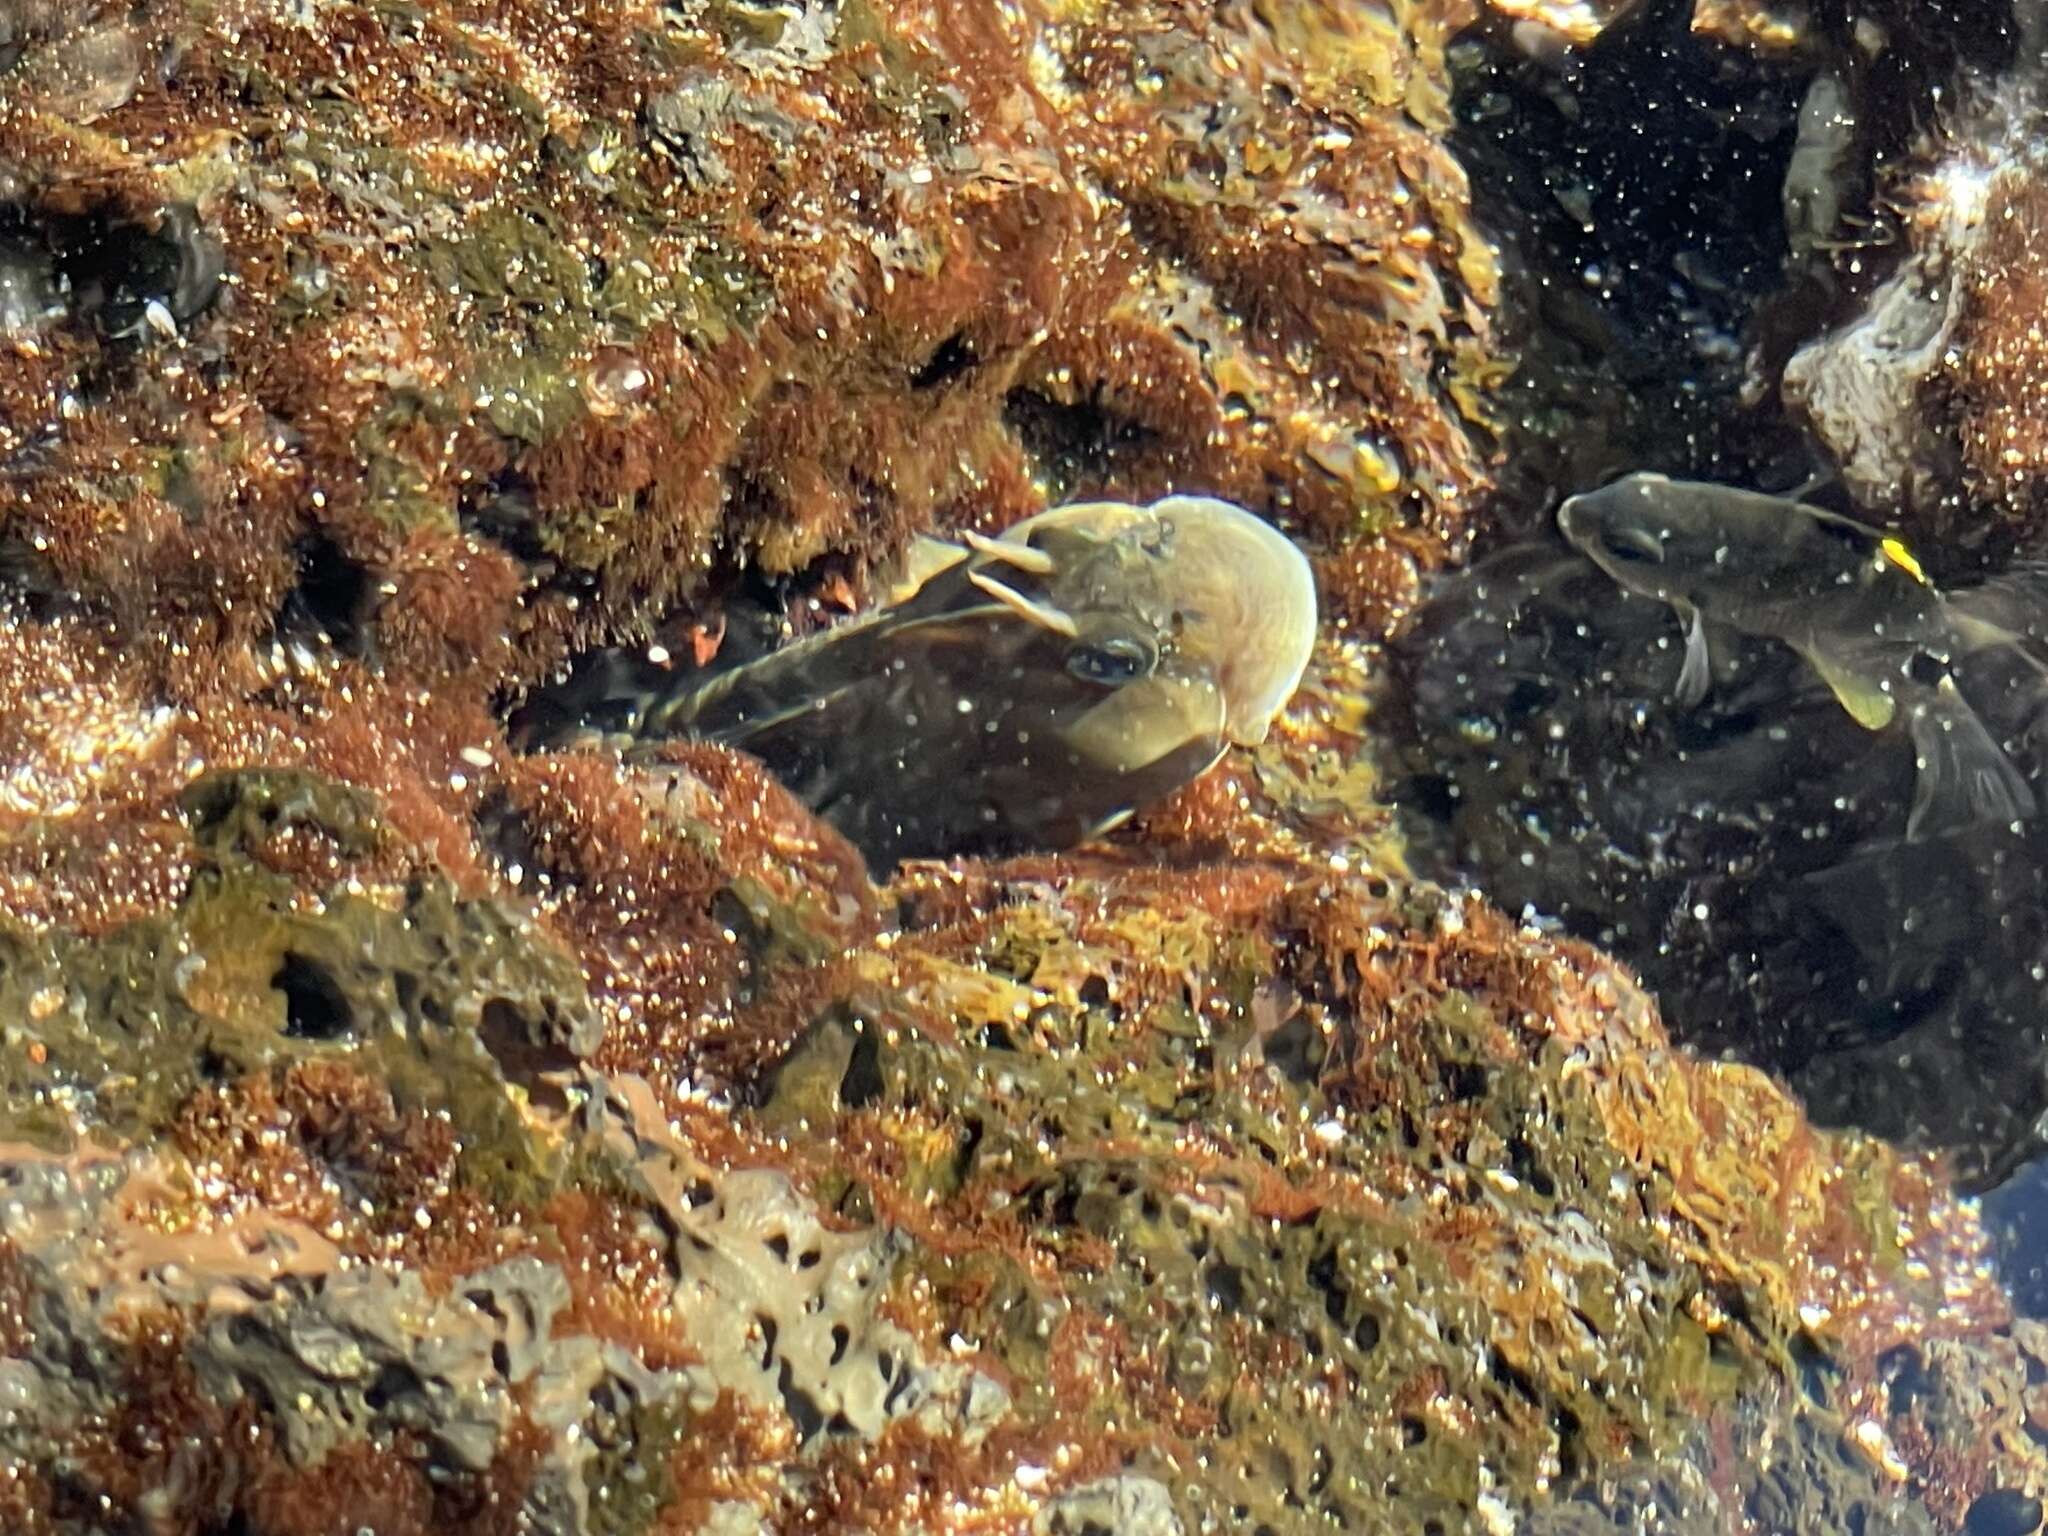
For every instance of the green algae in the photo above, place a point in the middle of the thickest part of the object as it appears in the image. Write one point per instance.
(1450, 1374)
(444, 998)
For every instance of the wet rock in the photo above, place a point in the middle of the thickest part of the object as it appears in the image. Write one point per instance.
(84, 76)
(28, 292)
(1124, 1506)
(785, 1309)
(456, 995)
(455, 1136)
(358, 1354)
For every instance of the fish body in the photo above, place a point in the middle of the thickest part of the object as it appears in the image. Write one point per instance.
(1027, 691)
(1850, 599)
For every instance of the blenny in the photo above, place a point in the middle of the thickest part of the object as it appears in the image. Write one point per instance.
(1028, 691)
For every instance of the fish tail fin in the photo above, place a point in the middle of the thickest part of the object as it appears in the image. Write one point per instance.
(1964, 775)
(2007, 610)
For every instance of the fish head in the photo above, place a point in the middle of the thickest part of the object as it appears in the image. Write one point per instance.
(1734, 555)
(1765, 565)
(1031, 689)
(1195, 617)
(1639, 534)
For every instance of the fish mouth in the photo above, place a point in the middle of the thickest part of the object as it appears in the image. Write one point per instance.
(1611, 543)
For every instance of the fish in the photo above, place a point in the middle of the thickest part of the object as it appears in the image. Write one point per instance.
(1028, 691)
(1852, 600)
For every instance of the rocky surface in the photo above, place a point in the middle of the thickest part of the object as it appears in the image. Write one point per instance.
(401, 1131)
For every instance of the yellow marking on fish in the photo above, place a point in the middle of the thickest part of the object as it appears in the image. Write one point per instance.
(1902, 557)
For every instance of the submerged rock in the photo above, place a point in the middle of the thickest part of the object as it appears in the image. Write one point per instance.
(405, 1132)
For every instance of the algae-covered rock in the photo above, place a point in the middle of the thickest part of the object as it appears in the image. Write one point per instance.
(402, 1131)
(1333, 1208)
(449, 997)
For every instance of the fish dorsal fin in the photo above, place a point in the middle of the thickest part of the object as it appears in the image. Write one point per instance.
(1867, 703)
(1887, 548)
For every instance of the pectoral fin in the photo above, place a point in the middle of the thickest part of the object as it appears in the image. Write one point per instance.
(1144, 721)
(1965, 776)
(1869, 705)
(1697, 675)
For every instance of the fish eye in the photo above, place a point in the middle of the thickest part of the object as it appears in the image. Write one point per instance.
(1117, 659)
(1635, 545)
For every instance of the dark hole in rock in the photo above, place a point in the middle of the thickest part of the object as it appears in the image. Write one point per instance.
(1296, 1050)
(521, 1047)
(1904, 1375)
(802, 1407)
(778, 1244)
(503, 510)
(1511, 1376)
(1464, 1081)
(809, 1259)
(1083, 438)
(116, 268)
(393, 1381)
(1366, 1335)
(861, 1084)
(1226, 1287)
(840, 1339)
(1814, 1366)
(970, 1143)
(1319, 1479)
(315, 1006)
(769, 1333)
(328, 603)
(899, 1393)
(1568, 1428)
(1413, 1431)
(953, 357)
(1528, 1170)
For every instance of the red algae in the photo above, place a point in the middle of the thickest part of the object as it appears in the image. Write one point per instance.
(415, 1133)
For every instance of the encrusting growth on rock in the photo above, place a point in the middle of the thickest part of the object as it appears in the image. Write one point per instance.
(404, 1131)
